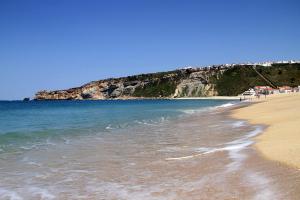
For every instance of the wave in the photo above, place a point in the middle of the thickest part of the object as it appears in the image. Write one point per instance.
(41, 193)
(193, 111)
(147, 122)
(209, 108)
(8, 194)
(233, 149)
(238, 124)
(183, 157)
(35, 134)
(225, 105)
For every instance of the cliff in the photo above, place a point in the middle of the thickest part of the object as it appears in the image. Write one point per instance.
(191, 82)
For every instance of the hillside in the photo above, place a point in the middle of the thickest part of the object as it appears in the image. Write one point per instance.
(220, 80)
(240, 78)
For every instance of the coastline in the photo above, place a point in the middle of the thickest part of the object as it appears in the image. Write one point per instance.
(146, 98)
(201, 153)
(212, 97)
(281, 116)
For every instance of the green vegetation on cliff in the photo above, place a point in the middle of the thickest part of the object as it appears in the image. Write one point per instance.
(216, 80)
(161, 88)
(230, 82)
(283, 74)
(161, 84)
(236, 80)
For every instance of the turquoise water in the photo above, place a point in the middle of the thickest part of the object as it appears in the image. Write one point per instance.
(133, 149)
(25, 123)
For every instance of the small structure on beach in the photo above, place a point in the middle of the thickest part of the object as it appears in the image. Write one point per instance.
(267, 90)
(285, 89)
(275, 91)
(297, 89)
(263, 90)
(249, 93)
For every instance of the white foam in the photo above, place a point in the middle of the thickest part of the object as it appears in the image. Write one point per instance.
(27, 148)
(170, 149)
(225, 105)
(265, 191)
(228, 148)
(194, 111)
(152, 122)
(233, 149)
(188, 111)
(144, 123)
(41, 193)
(203, 149)
(109, 127)
(238, 124)
(48, 142)
(255, 132)
(30, 162)
(111, 190)
(237, 145)
(183, 157)
(80, 171)
(8, 194)
(237, 158)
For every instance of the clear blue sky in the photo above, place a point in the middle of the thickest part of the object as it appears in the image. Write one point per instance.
(57, 44)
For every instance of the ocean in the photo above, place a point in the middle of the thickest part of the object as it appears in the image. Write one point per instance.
(129, 149)
(25, 124)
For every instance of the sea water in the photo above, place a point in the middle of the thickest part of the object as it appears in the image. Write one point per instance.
(26, 124)
(133, 149)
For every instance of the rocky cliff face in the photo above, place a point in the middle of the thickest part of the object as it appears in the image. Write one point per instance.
(193, 82)
(178, 83)
(106, 89)
(197, 84)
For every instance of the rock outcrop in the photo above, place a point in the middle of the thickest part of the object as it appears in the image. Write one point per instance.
(189, 82)
(184, 83)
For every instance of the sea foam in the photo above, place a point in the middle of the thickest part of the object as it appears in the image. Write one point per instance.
(225, 105)
(233, 148)
(8, 194)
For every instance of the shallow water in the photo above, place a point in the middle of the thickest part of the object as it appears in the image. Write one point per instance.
(195, 152)
(25, 123)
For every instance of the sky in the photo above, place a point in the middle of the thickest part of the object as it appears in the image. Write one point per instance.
(58, 44)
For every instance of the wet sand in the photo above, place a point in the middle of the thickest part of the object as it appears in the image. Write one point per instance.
(281, 114)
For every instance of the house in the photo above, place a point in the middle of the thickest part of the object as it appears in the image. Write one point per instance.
(296, 89)
(263, 90)
(285, 89)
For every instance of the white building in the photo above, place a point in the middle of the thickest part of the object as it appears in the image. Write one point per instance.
(250, 93)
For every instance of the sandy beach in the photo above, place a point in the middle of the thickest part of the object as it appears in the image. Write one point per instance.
(281, 114)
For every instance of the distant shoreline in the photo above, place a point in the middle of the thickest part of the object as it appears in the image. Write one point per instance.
(213, 97)
(143, 98)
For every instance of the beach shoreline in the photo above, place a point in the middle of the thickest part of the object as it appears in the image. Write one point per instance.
(202, 153)
(145, 98)
(210, 98)
(281, 115)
